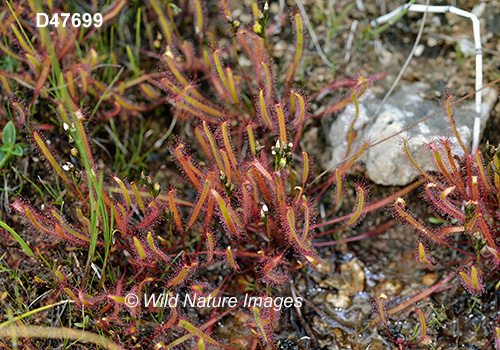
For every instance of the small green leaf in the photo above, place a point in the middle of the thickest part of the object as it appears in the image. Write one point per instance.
(436, 221)
(18, 150)
(9, 134)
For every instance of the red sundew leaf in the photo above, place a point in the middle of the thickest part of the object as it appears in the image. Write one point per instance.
(307, 221)
(227, 166)
(219, 69)
(299, 47)
(472, 281)
(83, 299)
(314, 260)
(305, 171)
(213, 146)
(301, 112)
(155, 249)
(185, 101)
(71, 295)
(485, 229)
(139, 248)
(294, 238)
(271, 274)
(173, 208)
(360, 203)
(202, 143)
(422, 254)
(150, 92)
(210, 212)
(263, 111)
(41, 80)
(439, 163)
(280, 198)
(442, 203)
(152, 214)
(260, 324)
(189, 169)
(138, 197)
(399, 207)
(268, 83)
(246, 201)
(281, 123)
(495, 254)
(452, 163)
(172, 319)
(114, 11)
(62, 234)
(124, 189)
(195, 331)
(449, 113)
(482, 170)
(210, 246)
(229, 217)
(423, 324)
(256, 178)
(230, 259)
(52, 161)
(379, 305)
(120, 217)
(232, 86)
(227, 145)
(182, 275)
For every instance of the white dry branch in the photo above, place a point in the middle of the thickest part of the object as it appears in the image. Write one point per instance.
(350, 39)
(477, 44)
(312, 33)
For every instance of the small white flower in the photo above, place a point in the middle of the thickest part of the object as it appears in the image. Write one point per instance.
(266, 7)
(273, 152)
(290, 145)
(264, 211)
(65, 126)
(278, 144)
(68, 166)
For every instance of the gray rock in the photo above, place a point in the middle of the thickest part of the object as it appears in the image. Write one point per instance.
(386, 163)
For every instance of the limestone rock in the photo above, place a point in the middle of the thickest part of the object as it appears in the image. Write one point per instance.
(386, 163)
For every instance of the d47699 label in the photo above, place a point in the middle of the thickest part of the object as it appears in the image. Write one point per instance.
(65, 19)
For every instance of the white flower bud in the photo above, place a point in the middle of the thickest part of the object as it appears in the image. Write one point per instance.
(65, 127)
(68, 166)
(264, 211)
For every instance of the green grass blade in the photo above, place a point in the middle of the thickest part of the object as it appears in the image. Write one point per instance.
(19, 240)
